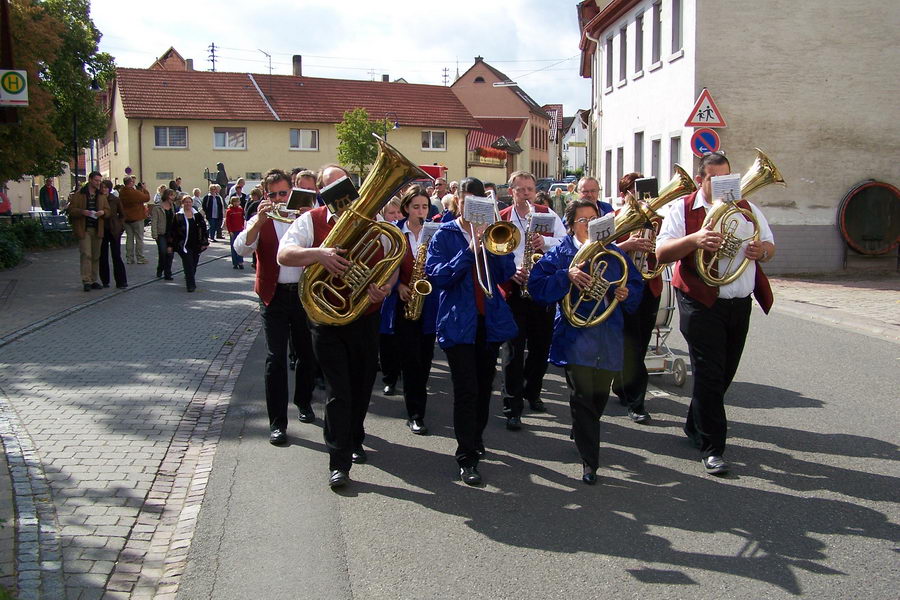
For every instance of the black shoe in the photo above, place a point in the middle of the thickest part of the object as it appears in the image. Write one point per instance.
(122, 287)
(105, 285)
(338, 479)
(389, 390)
(307, 415)
(158, 274)
(537, 406)
(470, 475)
(191, 288)
(87, 287)
(241, 267)
(417, 426)
(96, 286)
(234, 267)
(169, 278)
(715, 465)
(514, 423)
(589, 476)
(278, 437)
(639, 416)
(359, 456)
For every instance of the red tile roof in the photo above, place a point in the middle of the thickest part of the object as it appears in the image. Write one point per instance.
(233, 96)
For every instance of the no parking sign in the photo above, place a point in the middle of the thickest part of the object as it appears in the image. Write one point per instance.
(704, 141)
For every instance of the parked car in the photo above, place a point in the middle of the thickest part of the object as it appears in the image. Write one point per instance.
(544, 183)
(570, 179)
(558, 186)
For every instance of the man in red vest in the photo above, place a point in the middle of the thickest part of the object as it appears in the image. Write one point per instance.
(282, 313)
(714, 320)
(523, 377)
(346, 353)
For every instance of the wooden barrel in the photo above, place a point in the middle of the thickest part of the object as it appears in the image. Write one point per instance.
(869, 217)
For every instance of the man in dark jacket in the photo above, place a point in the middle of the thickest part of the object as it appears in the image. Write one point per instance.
(49, 197)
(87, 210)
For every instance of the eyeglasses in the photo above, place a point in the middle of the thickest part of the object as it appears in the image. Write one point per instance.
(583, 220)
(280, 194)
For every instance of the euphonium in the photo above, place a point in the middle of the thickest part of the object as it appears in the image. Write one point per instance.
(419, 286)
(340, 299)
(723, 217)
(631, 217)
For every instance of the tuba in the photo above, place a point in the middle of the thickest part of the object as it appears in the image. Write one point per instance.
(724, 218)
(594, 253)
(340, 299)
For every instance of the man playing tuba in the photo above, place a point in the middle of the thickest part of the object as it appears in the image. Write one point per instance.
(714, 319)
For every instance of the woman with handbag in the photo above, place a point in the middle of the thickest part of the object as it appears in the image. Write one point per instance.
(189, 237)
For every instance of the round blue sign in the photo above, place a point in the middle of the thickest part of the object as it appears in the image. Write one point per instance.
(704, 141)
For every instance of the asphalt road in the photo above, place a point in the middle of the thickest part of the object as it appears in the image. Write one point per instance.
(810, 509)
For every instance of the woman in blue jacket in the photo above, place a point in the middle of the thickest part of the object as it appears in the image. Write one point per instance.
(591, 356)
(470, 326)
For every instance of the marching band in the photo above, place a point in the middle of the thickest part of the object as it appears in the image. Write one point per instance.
(553, 289)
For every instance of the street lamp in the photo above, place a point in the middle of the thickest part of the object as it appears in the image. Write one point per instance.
(392, 117)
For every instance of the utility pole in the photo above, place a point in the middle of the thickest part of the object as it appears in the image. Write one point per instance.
(446, 76)
(269, 56)
(212, 56)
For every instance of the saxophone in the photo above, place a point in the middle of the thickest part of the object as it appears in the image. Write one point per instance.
(529, 257)
(419, 286)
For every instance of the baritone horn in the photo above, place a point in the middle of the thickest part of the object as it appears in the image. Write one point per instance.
(724, 218)
(340, 299)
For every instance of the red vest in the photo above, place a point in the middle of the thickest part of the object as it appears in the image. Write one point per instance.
(322, 226)
(688, 281)
(267, 268)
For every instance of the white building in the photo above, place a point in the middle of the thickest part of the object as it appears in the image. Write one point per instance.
(797, 79)
(575, 134)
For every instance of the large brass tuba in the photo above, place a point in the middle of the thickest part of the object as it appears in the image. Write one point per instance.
(340, 299)
(633, 216)
(724, 218)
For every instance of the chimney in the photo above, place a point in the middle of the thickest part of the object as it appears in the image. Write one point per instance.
(189, 64)
(385, 78)
(298, 65)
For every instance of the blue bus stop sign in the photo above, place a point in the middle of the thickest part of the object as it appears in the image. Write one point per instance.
(704, 141)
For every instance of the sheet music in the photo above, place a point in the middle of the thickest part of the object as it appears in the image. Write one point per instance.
(726, 188)
(479, 210)
(602, 228)
(542, 223)
(429, 228)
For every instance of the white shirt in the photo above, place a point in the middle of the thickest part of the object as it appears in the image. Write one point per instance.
(559, 232)
(673, 228)
(285, 274)
(414, 242)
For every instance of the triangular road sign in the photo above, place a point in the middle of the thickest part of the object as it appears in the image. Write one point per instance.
(705, 113)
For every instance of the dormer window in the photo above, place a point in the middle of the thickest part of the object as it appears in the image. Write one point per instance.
(479, 79)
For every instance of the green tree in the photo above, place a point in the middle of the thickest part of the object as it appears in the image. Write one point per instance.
(357, 148)
(56, 42)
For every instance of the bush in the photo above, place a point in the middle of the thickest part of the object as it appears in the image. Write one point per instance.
(11, 250)
(28, 234)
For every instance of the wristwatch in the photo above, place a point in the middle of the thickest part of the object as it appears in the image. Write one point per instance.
(765, 255)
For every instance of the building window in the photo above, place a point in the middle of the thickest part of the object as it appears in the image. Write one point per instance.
(434, 140)
(639, 43)
(165, 175)
(229, 138)
(676, 26)
(639, 152)
(654, 158)
(116, 142)
(674, 153)
(609, 63)
(657, 32)
(305, 139)
(623, 53)
(608, 173)
(165, 137)
(479, 79)
(620, 165)
(253, 176)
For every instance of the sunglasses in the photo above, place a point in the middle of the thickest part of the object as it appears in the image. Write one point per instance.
(281, 194)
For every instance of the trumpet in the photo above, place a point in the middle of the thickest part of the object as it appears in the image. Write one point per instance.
(281, 212)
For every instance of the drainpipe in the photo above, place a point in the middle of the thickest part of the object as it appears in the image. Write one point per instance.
(140, 151)
(594, 98)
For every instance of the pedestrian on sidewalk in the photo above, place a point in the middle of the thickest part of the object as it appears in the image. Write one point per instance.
(49, 197)
(197, 200)
(214, 209)
(234, 224)
(86, 210)
(134, 204)
(189, 237)
(111, 245)
(161, 217)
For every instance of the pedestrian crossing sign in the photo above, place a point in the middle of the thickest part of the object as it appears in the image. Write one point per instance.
(705, 112)
(13, 88)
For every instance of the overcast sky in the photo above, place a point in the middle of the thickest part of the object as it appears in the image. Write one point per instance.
(534, 42)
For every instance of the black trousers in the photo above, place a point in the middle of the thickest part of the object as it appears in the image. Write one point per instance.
(347, 356)
(472, 371)
(164, 260)
(389, 358)
(284, 320)
(523, 372)
(111, 247)
(416, 351)
(588, 393)
(189, 260)
(630, 384)
(715, 338)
